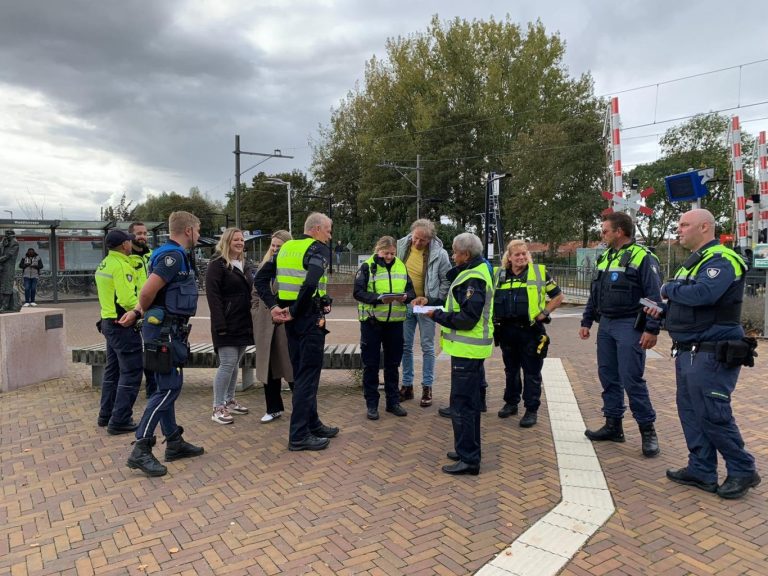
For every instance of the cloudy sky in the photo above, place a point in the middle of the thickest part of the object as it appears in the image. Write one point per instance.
(100, 98)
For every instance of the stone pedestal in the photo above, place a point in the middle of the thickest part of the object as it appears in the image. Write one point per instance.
(33, 347)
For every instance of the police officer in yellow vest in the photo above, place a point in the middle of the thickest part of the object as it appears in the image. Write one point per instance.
(520, 310)
(118, 293)
(703, 317)
(140, 254)
(625, 273)
(466, 335)
(383, 288)
(302, 304)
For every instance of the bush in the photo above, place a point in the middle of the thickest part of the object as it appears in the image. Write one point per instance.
(753, 314)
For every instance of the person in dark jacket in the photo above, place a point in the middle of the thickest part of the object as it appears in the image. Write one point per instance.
(228, 289)
(31, 265)
(383, 288)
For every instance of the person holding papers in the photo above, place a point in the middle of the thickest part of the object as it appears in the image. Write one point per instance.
(382, 288)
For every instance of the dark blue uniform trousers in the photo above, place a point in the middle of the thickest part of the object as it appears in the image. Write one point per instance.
(466, 381)
(161, 406)
(519, 349)
(374, 336)
(306, 345)
(620, 366)
(704, 389)
(122, 375)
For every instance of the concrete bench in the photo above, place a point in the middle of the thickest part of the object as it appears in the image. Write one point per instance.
(336, 356)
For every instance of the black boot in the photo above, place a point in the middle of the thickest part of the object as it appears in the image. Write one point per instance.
(612, 431)
(177, 448)
(142, 458)
(650, 440)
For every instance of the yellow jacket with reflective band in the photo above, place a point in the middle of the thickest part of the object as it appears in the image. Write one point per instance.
(392, 281)
(478, 341)
(291, 272)
(141, 265)
(535, 287)
(116, 284)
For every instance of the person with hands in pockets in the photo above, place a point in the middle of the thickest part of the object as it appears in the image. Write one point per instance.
(466, 335)
(382, 288)
(703, 317)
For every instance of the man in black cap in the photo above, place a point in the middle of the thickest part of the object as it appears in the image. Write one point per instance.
(116, 282)
(9, 250)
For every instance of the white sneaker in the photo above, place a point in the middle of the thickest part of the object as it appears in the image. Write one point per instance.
(33, 304)
(222, 415)
(234, 407)
(25, 305)
(269, 417)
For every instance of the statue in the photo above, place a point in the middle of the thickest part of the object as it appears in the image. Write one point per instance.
(9, 251)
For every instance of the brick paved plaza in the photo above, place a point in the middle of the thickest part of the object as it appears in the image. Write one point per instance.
(375, 502)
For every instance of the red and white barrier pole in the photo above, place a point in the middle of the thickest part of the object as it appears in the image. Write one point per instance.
(738, 184)
(618, 184)
(762, 178)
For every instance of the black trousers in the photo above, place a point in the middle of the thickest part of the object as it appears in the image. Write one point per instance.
(272, 393)
(520, 349)
(306, 344)
(466, 381)
(375, 336)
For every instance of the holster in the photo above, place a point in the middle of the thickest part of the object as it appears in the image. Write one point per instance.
(735, 353)
(158, 357)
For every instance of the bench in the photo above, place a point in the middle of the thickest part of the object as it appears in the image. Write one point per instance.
(336, 356)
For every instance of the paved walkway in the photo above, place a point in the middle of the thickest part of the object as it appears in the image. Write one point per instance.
(375, 502)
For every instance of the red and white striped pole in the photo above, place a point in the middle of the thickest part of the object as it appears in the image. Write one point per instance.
(762, 178)
(738, 184)
(618, 184)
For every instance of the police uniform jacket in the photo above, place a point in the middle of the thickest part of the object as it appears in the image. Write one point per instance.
(116, 285)
(315, 262)
(362, 278)
(622, 278)
(470, 296)
(704, 305)
(228, 291)
(140, 261)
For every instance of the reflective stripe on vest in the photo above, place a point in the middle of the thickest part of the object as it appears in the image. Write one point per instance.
(291, 272)
(385, 281)
(739, 266)
(478, 341)
(535, 288)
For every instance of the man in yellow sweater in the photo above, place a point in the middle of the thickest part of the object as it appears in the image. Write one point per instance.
(428, 264)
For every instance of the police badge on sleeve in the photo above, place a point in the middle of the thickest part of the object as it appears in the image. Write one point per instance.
(169, 261)
(713, 272)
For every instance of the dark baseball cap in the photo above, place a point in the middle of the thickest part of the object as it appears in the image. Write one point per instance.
(117, 237)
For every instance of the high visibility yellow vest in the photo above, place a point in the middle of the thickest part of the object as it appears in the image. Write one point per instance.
(291, 272)
(141, 265)
(384, 281)
(535, 287)
(116, 284)
(476, 342)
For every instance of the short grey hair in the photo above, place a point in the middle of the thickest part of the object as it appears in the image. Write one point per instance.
(468, 242)
(314, 220)
(426, 225)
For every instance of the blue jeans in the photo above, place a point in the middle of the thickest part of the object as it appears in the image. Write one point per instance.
(226, 376)
(30, 289)
(427, 339)
(620, 366)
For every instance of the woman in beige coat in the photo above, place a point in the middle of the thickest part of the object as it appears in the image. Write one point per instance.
(273, 364)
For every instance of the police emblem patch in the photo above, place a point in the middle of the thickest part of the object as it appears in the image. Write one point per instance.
(470, 291)
(614, 276)
(169, 261)
(713, 272)
(129, 277)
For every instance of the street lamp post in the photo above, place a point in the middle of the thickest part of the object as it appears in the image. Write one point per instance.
(288, 188)
(492, 178)
(9, 212)
(237, 152)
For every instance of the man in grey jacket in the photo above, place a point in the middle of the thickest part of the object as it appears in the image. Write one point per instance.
(427, 263)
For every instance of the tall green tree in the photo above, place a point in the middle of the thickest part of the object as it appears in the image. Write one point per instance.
(468, 98)
(158, 208)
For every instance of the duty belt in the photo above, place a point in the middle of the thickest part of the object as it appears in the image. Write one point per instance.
(692, 347)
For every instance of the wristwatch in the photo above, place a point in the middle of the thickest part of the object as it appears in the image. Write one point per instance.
(545, 312)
